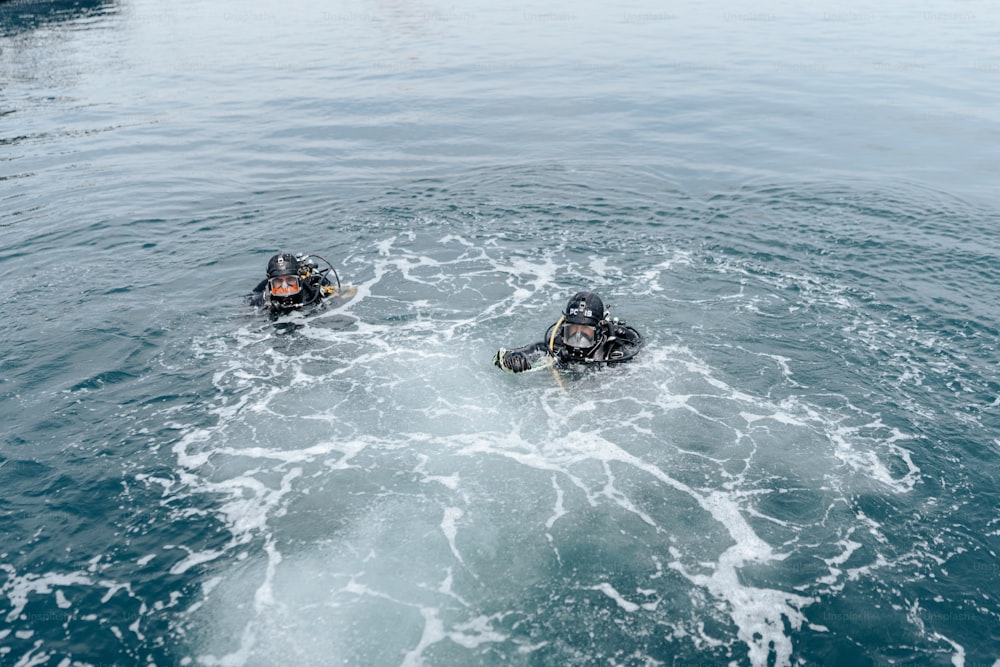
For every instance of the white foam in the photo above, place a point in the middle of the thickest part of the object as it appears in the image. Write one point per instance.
(848, 548)
(450, 529)
(432, 634)
(958, 657)
(18, 588)
(32, 659)
(559, 510)
(477, 631)
(193, 559)
(867, 461)
(428, 418)
(452, 481)
(610, 591)
(758, 613)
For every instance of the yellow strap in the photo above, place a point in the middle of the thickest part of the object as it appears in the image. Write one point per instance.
(344, 293)
(552, 352)
(552, 338)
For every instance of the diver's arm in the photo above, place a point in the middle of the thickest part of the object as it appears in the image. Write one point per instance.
(256, 297)
(518, 359)
(530, 350)
(629, 334)
(312, 292)
(624, 345)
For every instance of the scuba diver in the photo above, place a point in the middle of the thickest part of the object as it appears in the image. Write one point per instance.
(584, 334)
(296, 281)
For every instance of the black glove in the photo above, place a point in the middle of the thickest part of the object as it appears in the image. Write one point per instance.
(512, 362)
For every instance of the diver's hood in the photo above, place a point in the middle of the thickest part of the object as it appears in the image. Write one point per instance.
(584, 308)
(283, 264)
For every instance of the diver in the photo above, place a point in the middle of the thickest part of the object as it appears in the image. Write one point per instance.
(584, 334)
(295, 282)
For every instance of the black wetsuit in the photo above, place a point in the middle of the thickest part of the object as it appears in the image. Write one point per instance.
(618, 342)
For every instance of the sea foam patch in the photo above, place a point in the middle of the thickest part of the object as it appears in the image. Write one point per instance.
(699, 501)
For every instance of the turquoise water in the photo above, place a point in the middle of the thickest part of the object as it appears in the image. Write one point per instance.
(796, 205)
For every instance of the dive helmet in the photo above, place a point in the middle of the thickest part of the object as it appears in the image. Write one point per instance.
(581, 321)
(284, 284)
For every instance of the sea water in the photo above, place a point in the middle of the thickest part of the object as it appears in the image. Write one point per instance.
(796, 205)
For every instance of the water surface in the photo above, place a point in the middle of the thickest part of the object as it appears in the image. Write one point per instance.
(796, 206)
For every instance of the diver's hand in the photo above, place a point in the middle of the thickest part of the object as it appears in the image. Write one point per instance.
(512, 362)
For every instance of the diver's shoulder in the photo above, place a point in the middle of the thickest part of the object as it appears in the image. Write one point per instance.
(629, 333)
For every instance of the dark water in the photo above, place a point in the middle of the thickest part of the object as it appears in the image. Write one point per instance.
(797, 206)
